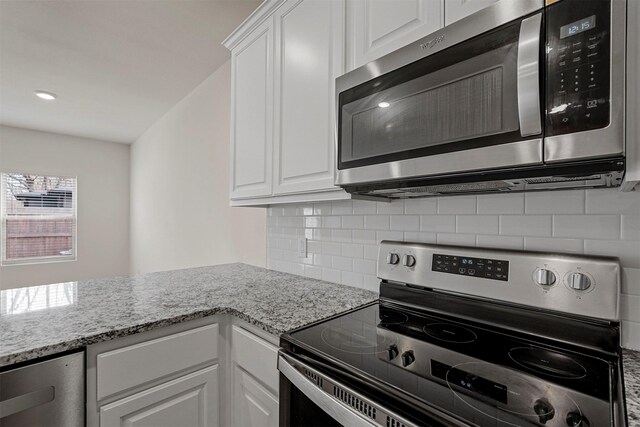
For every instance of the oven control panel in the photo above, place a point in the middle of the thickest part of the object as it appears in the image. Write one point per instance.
(569, 283)
(578, 66)
(497, 269)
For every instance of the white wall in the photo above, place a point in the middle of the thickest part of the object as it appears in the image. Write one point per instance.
(102, 169)
(180, 214)
(344, 235)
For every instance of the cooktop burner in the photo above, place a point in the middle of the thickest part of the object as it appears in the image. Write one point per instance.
(547, 362)
(358, 338)
(392, 317)
(450, 333)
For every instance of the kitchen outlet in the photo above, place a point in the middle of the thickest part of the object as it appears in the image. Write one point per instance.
(302, 247)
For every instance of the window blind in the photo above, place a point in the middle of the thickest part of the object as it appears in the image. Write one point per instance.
(38, 215)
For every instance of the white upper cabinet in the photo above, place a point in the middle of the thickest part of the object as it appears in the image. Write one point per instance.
(309, 56)
(252, 114)
(378, 27)
(458, 9)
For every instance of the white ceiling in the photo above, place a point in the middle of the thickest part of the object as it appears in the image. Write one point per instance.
(116, 65)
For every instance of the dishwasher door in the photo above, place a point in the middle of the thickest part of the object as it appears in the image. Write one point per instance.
(49, 393)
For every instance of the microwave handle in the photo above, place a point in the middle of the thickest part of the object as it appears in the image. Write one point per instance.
(529, 76)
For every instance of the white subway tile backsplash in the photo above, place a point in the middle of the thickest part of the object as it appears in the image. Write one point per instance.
(504, 242)
(370, 251)
(487, 224)
(331, 248)
(394, 207)
(376, 222)
(405, 222)
(630, 335)
(331, 222)
(342, 207)
(549, 244)
(501, 204)
(364, 266)
(353, 222)
(421, 206)
(420, 236)
(343, 235)
(364, 207)
(366, 237)
(342, 264)
(555, 202)
(630, 307)
(457, 205)
(352, 250)
(631, 281)
(438, 223)
(630, 227)
(352, 279)
(313, 272)
(612, 201)
(389, 235)
(587, 226)
(627, 250)
(456, 239)
(371, 283)
(331, 275)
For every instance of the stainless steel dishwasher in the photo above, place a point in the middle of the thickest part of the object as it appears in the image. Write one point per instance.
(48, 393)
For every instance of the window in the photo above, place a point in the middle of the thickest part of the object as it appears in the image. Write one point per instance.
(38, 215)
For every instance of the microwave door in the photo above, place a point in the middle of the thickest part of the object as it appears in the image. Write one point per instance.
(441, 112)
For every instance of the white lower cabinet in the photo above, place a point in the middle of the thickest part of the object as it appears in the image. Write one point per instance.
(210, 372)
(187, 401)
(254, 405)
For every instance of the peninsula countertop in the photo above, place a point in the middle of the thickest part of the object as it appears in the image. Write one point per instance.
(49, 319)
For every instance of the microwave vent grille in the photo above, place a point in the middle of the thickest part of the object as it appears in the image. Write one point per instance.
(463, 187)
(551, 179)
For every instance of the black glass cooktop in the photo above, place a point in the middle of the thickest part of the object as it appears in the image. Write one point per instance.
(477, 373)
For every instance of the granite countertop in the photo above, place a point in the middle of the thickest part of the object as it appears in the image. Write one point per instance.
(631, 369)
(49, 319)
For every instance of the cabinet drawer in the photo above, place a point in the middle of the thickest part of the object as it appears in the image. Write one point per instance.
(127, 367)
(256, 356)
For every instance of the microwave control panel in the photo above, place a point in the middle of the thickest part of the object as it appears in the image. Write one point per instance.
(578, 66)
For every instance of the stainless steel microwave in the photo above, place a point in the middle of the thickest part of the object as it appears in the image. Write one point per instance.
(518, 96)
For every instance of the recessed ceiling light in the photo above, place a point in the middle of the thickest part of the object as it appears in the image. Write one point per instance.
(46, 95)
(383, 105)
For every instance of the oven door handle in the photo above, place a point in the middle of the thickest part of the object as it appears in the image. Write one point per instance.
(338, 410)
(529, 76)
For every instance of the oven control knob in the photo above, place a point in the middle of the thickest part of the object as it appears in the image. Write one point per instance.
(543, 410)
(392, 258)
(579, 281)
(576, 419)
(408, 358)
(544, 277)
(392, 351)
(408, 260)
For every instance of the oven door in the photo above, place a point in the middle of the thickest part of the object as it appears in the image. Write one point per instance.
(310, 398)
(471, 106)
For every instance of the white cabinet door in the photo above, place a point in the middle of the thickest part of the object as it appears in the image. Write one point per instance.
(254, 405)
(252, 114)
(458, 9)
(309, 37)
(188, 401)
(378, 27)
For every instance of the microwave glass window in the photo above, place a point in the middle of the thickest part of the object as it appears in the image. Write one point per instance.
(578, 27)
(465, 96)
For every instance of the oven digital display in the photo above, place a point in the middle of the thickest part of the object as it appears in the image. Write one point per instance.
(471, 382)
(484, 268)
(578, 27)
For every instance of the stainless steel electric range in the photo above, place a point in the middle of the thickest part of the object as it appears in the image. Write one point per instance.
(464, 337)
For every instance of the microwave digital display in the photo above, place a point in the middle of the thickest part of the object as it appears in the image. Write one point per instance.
(578, 27)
